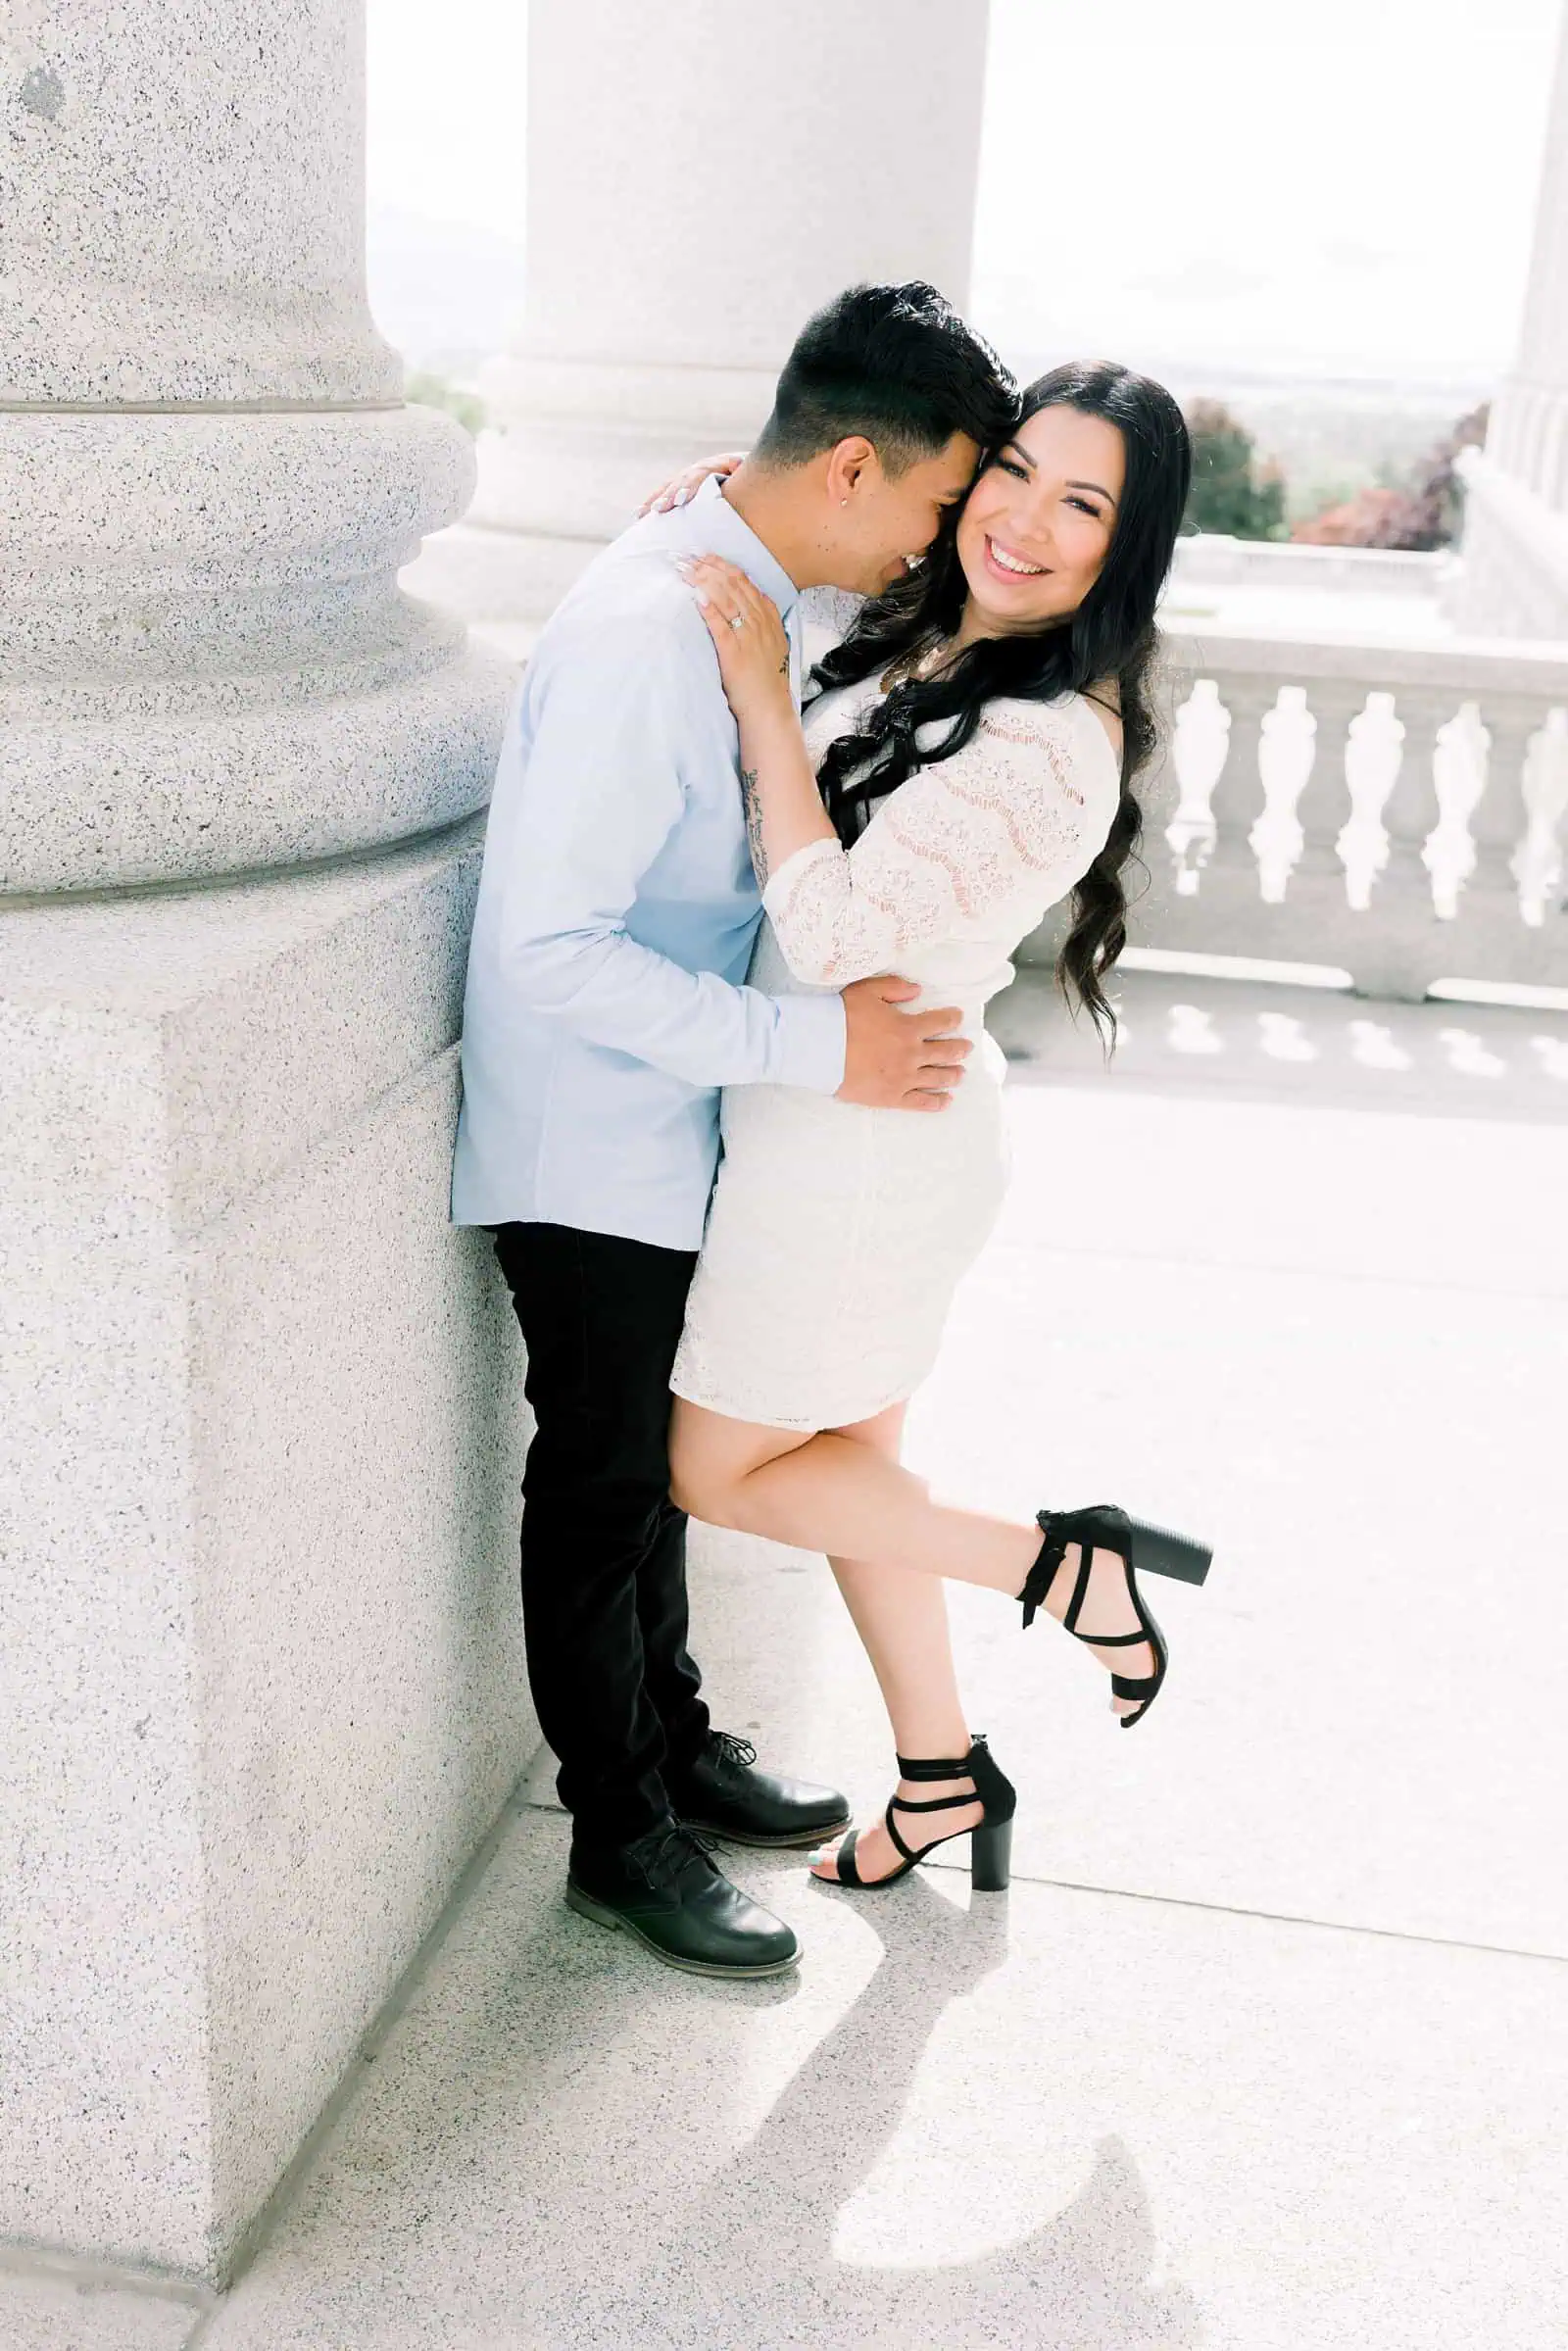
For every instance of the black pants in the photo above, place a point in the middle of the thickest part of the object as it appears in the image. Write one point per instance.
(603, 1548)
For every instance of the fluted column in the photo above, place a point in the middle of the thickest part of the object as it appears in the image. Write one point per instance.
(1514, 580)
(700, 178)
(261, 1684)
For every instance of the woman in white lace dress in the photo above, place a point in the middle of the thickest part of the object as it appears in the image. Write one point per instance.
(969, 763)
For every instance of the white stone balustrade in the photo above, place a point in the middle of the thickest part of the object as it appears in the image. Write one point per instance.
(1393, 810)
(1214, 559)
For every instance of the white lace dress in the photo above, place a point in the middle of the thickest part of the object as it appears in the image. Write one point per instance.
(837, 1234)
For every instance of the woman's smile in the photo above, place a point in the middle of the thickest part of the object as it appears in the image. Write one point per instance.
(1007, 562)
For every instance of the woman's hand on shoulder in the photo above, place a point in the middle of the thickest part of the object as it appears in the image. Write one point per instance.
(749, 637)
(684, 486)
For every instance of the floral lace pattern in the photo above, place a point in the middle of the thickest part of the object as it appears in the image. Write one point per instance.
(952, 848)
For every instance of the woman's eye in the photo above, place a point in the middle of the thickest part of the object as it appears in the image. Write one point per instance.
(1008, 467)
(1084, 507)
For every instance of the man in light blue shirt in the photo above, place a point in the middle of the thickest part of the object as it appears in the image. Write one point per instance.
(605, 1007)
(618, 910)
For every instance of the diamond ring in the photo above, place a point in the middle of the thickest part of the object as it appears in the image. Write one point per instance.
(737, 621)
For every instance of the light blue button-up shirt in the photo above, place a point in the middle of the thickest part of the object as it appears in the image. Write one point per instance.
(616, 912)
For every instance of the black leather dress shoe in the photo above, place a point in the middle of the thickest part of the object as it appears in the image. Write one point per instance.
(724, 1794)
(666, 1890)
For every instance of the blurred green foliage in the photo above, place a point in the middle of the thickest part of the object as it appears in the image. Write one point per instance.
(1231, 491)
(433, 391)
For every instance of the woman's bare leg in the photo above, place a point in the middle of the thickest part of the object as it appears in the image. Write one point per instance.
(903, 1623)
(829, 1494)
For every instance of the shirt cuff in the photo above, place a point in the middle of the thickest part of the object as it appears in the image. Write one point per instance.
(810, 1043)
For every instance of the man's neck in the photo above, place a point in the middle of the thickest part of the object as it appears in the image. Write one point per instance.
(772, 505)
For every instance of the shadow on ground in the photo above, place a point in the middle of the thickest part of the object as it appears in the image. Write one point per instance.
(752, 2258)
(1316, 1047)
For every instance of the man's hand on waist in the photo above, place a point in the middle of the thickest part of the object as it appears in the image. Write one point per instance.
(898, 1060)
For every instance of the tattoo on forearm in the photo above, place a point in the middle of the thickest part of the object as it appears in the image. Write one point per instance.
(753, 825)
(784, 666)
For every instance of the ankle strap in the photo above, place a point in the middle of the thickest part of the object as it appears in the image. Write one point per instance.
(927, 1767)
(1103, 1526)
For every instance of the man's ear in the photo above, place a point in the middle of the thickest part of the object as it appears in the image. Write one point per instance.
(848, 460)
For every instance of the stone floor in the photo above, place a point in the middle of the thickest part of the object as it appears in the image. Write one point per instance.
(1267, 2049)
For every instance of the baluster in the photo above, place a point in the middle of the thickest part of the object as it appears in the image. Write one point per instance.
(1323, 807)
(1285, 762)
(1373, 755)
(1238, 797)
(1499, 820)
(1411, 807)
(1537, 864)
(1460, 778)
(1394, 953)
(1197, 747)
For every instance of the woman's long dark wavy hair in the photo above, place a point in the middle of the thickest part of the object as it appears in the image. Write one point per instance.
(1112, 634)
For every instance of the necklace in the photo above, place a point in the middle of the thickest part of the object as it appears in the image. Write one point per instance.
(920, 662)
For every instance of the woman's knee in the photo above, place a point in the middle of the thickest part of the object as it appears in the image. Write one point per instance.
(710, 1460)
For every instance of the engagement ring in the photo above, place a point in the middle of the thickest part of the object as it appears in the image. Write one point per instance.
(737, 621)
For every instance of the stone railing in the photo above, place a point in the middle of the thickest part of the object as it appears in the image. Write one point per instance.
(1392, 811)
(1212, 558)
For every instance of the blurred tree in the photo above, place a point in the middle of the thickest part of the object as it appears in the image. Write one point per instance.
(1231, 491)
(433, 391)
(1312, 489)
(1420, 510)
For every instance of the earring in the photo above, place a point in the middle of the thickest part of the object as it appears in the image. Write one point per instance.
(844, 502)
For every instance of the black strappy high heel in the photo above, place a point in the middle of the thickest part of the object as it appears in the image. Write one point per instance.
(1141, 1548)
(991, 1846)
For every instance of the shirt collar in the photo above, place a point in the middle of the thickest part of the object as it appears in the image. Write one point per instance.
(721, 531)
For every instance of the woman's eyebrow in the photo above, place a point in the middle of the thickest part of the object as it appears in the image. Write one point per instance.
(1099, 489)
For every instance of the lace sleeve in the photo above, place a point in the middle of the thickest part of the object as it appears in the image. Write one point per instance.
(946, 849)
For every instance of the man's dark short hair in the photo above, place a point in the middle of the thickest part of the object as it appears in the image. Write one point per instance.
(896, 364)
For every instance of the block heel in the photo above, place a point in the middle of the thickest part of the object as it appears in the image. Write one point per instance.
(991, 1857)
(1159, 1552)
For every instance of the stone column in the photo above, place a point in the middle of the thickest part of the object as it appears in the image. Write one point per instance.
(261, 1681)
(700, 178)
(1514, 580)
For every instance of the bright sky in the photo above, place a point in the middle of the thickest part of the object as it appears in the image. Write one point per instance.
(1344, 186)
(447, 116)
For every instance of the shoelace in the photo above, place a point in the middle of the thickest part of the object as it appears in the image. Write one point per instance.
(731, 1748)
(670, 1849)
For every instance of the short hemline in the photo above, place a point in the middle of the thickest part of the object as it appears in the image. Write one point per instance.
(796, 1428)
